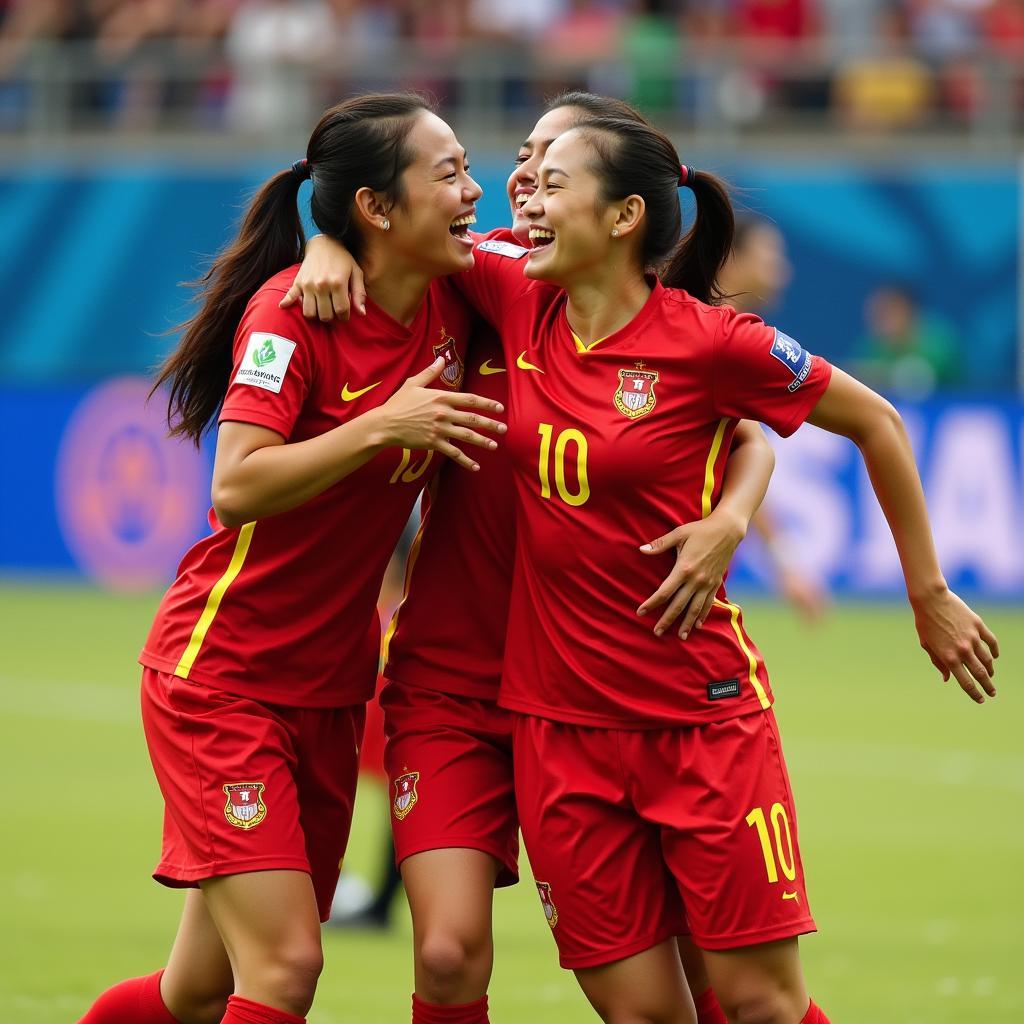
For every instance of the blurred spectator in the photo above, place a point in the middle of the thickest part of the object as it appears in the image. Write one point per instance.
(753, 279)
(887, 88)
(650, 46)
(906, 351)
(273, 46)
(758, 270)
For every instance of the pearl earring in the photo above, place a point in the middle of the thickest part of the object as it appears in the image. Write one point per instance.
(385, 225)
(615, 232)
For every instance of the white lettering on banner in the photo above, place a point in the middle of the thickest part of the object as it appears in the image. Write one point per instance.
(972, 467)
(813, 508)
(875, 564)
(974, 501)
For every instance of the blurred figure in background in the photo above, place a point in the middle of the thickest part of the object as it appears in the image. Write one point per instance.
(907, 351)
(752, 280)
(274, 47)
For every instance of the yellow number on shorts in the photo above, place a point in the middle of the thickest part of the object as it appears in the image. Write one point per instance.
(409, 474)
(785, 858)
(565, 437)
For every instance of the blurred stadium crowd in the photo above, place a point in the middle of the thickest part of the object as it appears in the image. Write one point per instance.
(247, 65)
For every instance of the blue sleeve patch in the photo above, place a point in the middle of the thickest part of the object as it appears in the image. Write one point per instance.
(509, 249)
(789, 352)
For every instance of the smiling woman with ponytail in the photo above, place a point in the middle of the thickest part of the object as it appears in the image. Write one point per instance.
(265, 648)
(636, 755)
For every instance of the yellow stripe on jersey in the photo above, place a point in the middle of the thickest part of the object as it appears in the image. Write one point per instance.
(709, 469)
(414, 553)
(737, 628)
(213, 601)
(581, 345)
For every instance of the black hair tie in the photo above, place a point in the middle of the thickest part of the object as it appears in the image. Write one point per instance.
(687, 175)
(301, 169)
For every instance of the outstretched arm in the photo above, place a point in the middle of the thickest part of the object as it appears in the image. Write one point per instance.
(704, 548)
(955, 638)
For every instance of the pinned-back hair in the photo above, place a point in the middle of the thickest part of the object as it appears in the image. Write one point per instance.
(633, 157)
(362, 142)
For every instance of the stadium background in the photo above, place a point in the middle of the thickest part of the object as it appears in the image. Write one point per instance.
(884, 141)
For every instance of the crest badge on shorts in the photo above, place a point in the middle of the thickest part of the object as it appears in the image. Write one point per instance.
(245, 807)
(634, 397)
(550, 910)
(454, 367)
(405, 794)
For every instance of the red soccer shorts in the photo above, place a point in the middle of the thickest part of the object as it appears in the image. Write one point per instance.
(250, 786)
(624, 826)
(449, 759)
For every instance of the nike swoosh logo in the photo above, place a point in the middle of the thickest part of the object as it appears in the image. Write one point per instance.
(350, 396)
(486, 369)
(791, 896)
(524, 365)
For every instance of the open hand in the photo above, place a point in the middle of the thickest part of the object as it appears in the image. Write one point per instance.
(958, 642)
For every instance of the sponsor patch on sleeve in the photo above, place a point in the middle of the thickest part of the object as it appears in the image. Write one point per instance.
(789, 352)
(509, 249)
(265, 361)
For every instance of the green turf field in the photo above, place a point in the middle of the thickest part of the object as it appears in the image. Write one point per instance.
(911, 805)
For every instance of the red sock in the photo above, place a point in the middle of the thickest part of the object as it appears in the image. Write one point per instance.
(466, 1013)
(814, 1015)
(708, 1010)
(135, 1001)
(245, 1011)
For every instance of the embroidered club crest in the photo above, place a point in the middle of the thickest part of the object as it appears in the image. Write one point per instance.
(550, 910)
(634, 397)
(405, 794)
(454, 367)
(245, 807)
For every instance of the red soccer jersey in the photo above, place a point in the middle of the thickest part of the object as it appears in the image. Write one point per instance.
(284, 610)
(449, 632)
(610, 446)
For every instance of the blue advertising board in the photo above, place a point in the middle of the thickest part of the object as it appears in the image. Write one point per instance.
(92, 487)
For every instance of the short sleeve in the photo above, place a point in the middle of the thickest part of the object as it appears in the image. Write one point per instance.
(497, 279)
(759, 373)
(273, 365)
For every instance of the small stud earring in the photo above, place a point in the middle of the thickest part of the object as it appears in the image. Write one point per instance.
(615, 232)
(385, 225)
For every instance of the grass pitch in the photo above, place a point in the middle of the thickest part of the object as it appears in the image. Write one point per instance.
(911, 805)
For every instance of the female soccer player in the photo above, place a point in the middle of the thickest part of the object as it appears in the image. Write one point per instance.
(449, 749)
(649, 769)
(265, 648)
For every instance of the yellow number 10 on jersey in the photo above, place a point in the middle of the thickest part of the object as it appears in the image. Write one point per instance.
(562, 441)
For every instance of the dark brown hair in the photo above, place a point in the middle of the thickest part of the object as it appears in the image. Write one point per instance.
(359, 143)
(634, 158)
(594, 105)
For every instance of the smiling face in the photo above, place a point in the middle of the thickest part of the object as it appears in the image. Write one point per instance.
(430, 225)
(570, 222)
(522, 182)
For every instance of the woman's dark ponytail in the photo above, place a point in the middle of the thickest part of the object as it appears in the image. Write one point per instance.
(632, 157)
(270, 239)
(698, 258)
(359, 143)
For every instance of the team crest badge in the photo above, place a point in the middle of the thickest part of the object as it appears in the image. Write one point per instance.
(406, 796)
(550, 910)
(245, 807)
(634, 397)
(454, 367)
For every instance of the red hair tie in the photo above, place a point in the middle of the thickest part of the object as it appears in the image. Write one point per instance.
(686, 175)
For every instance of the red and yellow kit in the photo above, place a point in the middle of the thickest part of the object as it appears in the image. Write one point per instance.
(284, 610)
(249, 786)
(637, 756)
(609, 445)
(449, 746)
